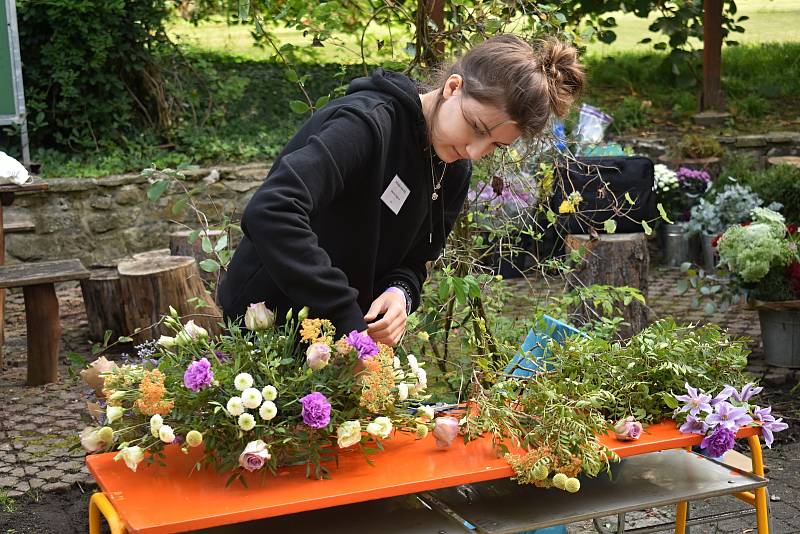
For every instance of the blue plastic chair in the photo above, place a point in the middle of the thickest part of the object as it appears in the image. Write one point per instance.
(535, 353)
(533, 359)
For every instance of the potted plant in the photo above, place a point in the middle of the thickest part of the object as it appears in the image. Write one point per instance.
(678, 192)
(762, 258)
(708, 219)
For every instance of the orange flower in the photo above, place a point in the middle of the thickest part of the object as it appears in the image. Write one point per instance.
(377, 383)
(152, 392)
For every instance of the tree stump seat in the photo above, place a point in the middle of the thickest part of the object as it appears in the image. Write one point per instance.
(37, 281)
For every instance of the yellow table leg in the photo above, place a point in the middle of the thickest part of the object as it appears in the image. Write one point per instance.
(681, 513)
(100, 505)
(762, 512)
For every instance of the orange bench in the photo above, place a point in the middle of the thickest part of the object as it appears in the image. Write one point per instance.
(167, 499)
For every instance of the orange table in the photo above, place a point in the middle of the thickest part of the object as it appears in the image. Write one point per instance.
(168, 499)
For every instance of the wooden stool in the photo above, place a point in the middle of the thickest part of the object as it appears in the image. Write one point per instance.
(41, 311)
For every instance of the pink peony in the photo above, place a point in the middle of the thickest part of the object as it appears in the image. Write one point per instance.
(445, 431)
(254, 455)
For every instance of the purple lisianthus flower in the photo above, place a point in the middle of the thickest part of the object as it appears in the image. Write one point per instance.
(747, 392)
(695, 401)
(221, 356)
(693, 425)
(728, 416)
(366, 347)
(198, 375)
(719, 441)
(316, 410)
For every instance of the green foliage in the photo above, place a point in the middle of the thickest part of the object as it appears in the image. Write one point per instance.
(84, 62)
(596, 308)
(699, 146)
(595, 382)
(778, 183)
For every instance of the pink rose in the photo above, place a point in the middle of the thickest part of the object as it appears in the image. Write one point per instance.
(628, 429)
(318, 355)
(254, 455)
(445, 431)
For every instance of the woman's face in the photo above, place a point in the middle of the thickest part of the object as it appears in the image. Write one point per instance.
(467, 129)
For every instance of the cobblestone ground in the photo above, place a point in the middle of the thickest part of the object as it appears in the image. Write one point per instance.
(44, 485)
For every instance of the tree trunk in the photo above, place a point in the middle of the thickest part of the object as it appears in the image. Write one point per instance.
(102, 295)
(615, 260)
(149, 287)
(179, 246)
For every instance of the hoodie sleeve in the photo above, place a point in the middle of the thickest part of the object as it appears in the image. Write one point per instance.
(278, 217)
(413, 272)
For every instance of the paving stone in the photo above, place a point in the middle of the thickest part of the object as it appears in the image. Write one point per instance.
(51, 474)
(17, 472)
(22, 486)
(74, 477)
(72, 466)
(8, 481)
(15, 494)
(35, 483)
(55, 486)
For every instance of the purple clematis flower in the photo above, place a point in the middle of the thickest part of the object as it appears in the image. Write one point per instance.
(768, 424)
(728, 416)
(748, 391)
(723, 395)
(693, 425)
(695, 401)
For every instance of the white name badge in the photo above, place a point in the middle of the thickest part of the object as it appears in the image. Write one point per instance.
(396, 194)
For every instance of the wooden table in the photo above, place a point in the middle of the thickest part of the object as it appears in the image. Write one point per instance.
(7, 194)
(169, 499)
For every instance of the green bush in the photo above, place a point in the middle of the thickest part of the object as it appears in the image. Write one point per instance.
(779, 183)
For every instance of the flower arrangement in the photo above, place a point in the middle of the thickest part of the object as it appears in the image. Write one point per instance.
(679, 191)
(260, 397)
(720, 417)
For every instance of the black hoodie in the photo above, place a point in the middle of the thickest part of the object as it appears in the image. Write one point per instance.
(317, 234)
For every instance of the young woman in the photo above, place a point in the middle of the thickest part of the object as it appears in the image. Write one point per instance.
(368, 189)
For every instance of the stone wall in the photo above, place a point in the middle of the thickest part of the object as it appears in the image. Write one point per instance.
(759, 146)
(100, 219)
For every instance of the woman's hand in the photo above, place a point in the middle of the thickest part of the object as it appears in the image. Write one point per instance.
(390, 328)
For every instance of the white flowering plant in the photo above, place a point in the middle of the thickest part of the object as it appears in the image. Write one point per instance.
(259, 396)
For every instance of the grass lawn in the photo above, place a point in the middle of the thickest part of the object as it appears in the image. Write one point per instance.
(770, 21)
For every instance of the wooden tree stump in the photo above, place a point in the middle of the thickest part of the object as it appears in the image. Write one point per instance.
(615, 260)
(149, 287)
(179, 246)
(102, 295)
(157, 253)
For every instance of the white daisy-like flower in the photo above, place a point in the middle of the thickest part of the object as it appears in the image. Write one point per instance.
(422, 379)
(243, 381)
(251, 398)
(247, 422)
(268, 410)
(412, 362)
(269, 393)
(235, 406)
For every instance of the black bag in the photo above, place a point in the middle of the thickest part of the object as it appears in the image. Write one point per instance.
(603, 183)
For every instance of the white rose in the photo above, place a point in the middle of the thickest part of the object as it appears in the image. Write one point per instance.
(385, 426)
(235, 406)
(246, 421)
(166, 434)
(374, 429)
(155, 424)
(243, 381)
(166, 342)
(132, 456)
(348, 433)
(269, 393)
(402, 391)
(113, 413)
(251, 398)
(268, 411)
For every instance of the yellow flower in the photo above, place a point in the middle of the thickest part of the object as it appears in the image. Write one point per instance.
(566, 207)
